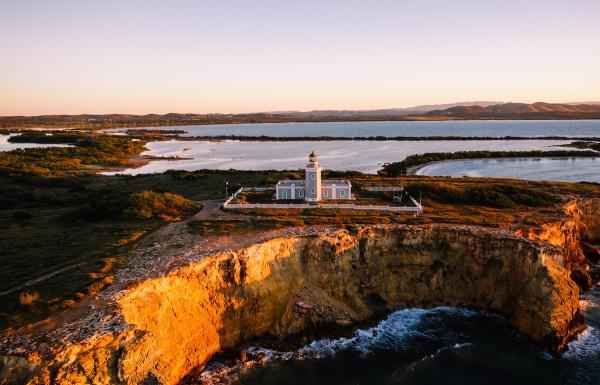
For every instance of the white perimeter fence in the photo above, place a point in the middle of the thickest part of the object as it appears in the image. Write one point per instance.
(417, 208)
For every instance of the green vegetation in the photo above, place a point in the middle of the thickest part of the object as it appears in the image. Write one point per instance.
(399, 168)
(86, 224)
(153, 120)
(493, 195)
(166, 206)
(585, 144)
(89, 153)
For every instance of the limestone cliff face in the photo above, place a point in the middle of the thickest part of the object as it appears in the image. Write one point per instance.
(296, 285)
(586, 214)
(582, 223)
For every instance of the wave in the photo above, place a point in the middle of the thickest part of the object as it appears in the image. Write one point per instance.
(587, 344)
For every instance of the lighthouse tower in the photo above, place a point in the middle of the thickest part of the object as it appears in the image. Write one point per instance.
(313, 179)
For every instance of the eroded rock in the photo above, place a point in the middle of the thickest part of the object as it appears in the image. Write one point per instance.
(294, 285)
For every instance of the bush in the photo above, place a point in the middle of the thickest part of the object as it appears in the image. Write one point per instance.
(498, 196)
(149, 204)
(28, 297)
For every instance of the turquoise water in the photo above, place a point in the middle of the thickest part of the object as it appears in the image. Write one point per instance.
(555, 169)
(492, 128)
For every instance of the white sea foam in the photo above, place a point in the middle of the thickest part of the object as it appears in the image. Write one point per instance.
(586, 345)
(393, 333)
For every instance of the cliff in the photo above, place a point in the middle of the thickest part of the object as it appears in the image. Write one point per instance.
(576, 235)
(156, 329)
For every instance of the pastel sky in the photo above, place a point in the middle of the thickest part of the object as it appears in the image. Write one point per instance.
(147, 56)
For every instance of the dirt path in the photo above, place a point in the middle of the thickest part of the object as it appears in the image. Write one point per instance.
(42, 278)
(209, 208)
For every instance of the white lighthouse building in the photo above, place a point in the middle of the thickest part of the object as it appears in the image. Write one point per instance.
(313, 189)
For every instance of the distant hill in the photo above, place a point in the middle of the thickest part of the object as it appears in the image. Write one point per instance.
(520, 111)
(384, 112)
(577, 103)
(466, 110)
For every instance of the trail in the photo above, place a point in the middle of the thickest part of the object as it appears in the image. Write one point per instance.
(209, 208)
(42, 278)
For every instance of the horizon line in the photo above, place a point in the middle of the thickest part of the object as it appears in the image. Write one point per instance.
(472, 103)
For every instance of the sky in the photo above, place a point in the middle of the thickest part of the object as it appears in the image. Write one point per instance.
(232, 56)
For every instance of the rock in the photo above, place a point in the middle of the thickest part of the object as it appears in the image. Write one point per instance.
(591, 252)
(302, 307)
(292, 286)
(581, 277)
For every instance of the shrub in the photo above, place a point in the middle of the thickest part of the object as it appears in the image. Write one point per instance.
(149, 204)
(28, 297)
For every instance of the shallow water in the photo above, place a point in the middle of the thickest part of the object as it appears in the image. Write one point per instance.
(556, 169)
(441, 345)
(488, 128)
(341, 155)
(5, 145)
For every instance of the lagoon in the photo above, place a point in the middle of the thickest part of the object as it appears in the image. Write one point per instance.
(342, 155)
(5, 145)
(463, 128)
(550, 169)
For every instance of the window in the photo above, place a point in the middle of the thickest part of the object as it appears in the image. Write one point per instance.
(301, 193)
(326, 194)
(342, 193)
(312, 191)
(284, 194)
(312, 176)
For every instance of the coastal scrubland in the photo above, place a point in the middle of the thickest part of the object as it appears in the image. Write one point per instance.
(65, 229)
(86, 224)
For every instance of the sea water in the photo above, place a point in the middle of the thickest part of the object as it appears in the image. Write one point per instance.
(441, 345)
